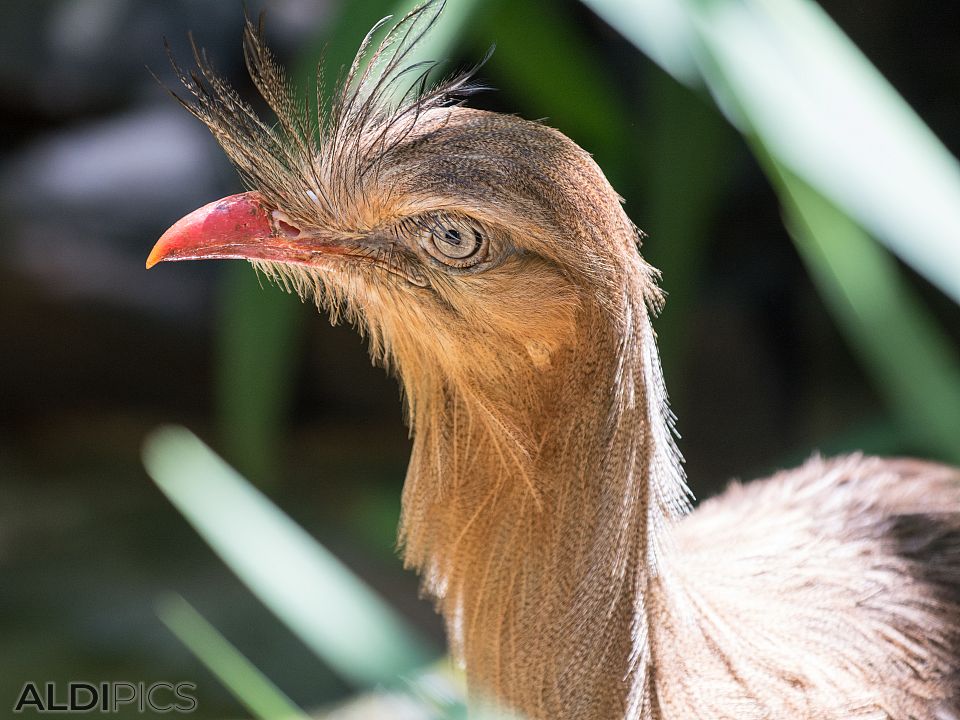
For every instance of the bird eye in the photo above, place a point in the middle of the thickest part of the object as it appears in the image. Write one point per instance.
(452, 241)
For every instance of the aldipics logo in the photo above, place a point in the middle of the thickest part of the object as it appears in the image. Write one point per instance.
(106, 697)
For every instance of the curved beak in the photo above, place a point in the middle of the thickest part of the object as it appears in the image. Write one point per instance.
(240, 226)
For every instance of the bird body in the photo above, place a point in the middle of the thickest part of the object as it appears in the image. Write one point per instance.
(828, 591)
(493, 269)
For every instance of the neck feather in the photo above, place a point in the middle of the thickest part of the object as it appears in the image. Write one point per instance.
(538, 524)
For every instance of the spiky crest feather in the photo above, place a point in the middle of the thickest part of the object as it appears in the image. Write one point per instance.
(315, 160)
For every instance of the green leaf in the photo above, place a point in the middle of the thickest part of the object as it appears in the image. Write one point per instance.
(661, 28)
(912, 362)
(846, 155)
(783, 70)
(327, 607)
(243, 679)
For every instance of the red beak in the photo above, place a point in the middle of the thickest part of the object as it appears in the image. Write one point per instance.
(240, 226)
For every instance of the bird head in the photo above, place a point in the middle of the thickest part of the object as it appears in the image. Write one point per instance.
(467, 242)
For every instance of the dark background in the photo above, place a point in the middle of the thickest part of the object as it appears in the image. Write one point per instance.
(96, 161)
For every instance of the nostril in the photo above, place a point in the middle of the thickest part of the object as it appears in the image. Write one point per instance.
(288, 229)
(282, 226)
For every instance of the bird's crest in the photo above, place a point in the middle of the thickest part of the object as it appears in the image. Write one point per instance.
(319, 152)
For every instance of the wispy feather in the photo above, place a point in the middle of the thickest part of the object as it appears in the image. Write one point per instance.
(318, 153)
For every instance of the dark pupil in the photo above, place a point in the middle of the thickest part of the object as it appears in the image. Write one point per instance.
(457, 244)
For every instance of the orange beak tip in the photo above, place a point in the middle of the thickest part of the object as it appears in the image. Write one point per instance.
(155, 256)
(222, 229)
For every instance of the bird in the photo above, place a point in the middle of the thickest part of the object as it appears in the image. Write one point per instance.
(494, 271)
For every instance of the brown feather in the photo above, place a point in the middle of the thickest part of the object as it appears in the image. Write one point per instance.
(544, 503)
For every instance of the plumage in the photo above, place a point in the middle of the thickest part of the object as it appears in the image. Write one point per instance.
(494, 270)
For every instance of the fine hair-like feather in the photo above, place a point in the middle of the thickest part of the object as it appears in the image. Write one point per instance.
(545, 503)
(317, 155)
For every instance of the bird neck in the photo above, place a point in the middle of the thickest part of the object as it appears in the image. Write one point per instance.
(537, 518)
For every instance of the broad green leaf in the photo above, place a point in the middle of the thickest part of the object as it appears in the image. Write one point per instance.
(823, 111)
(661, 28)
(784, 70)
(845, 152)
(912, 362)
(326, 606)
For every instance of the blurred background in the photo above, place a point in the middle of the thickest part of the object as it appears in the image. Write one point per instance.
(766, 360)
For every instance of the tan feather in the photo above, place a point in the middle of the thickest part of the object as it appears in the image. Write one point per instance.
(544, 502)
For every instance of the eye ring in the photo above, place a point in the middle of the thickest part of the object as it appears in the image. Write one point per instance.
(455, 242)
